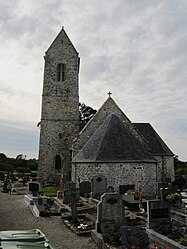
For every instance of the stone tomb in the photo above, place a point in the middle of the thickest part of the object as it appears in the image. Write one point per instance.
(98, 186)
(33, 188)
(110, 212)
(159, 216)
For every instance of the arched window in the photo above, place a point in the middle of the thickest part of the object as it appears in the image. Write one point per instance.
(58, 162)
(61, 72)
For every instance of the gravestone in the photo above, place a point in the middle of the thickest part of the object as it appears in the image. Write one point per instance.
(110, 189)
(164, 192)
(66, 199)
(50, 180)
(159, 215)
(110, 209)
(124, 188)
(60, 194)
(85, 187)
(67, 193)
(160, 187)
(70, 195)
(98, 186)
(33, 188)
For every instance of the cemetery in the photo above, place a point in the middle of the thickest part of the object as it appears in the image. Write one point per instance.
(113, 219)
(40, 205)
(119, 220)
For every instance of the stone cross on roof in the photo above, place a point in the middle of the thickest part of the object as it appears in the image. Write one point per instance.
(109, 94)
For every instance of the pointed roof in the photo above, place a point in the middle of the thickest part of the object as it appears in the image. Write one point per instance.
(156, 144)
(106, 109)
(62, 37)
(113, 142)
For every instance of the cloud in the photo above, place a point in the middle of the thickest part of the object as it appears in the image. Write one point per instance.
(15, 141)
(135, 49)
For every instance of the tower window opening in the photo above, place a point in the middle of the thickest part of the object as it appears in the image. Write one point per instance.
(61, 72)
(58, 162)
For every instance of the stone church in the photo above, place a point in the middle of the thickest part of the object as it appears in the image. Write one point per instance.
(110, 144)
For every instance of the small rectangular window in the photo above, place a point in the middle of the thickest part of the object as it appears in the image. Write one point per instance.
(61, 72)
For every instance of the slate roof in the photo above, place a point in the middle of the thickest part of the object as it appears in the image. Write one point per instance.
(113, 142)
(156, 144)
(101, 115)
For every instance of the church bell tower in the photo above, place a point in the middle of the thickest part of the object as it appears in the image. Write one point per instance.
(60, 111)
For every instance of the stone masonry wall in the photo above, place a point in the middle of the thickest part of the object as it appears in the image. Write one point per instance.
(165, 168)
(60, 108)
(139, 174)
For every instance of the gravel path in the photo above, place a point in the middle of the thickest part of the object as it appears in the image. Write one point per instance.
(16, 215)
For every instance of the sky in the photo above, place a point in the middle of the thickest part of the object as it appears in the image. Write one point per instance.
(135, 49)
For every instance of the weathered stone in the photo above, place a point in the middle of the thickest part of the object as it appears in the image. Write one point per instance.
(60, 110)
(138, 174)
(98, 186)
(33, 188)
(159, 215)
(110, 209)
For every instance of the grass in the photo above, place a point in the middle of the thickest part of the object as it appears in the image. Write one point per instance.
(50, 191)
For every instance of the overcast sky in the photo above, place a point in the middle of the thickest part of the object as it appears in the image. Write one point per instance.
(137, 49)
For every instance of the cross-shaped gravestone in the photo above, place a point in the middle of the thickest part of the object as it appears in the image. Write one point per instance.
(72, 199)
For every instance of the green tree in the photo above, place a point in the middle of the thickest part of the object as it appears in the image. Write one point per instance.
(85, 114)
(3, 157)
(18, 164)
